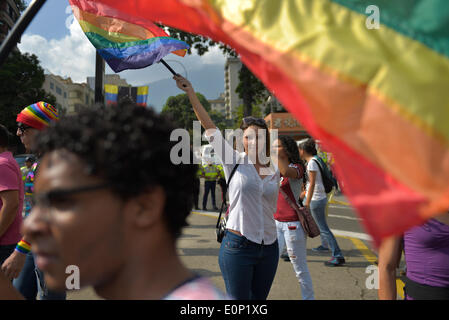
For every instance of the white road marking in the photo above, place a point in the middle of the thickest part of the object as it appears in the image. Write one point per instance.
(350, 234)
(343, 217)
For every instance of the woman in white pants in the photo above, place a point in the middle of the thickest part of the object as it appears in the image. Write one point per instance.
(289, 229)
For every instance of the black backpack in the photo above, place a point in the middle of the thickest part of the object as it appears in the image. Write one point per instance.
(326, 175)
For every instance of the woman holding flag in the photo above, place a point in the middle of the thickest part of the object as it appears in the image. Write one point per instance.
(249, 251)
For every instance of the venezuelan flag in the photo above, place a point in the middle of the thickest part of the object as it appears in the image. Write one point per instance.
(124, 41)
(378, 99)
(111, 94)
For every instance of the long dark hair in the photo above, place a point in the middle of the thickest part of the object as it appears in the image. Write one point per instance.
(291, 148)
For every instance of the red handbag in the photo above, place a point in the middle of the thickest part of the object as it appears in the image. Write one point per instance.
(305, 217)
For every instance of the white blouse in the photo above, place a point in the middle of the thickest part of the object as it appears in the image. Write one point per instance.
(253, 200)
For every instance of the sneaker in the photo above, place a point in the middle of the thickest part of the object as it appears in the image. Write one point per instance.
(216, 209)
(285, 257)
(320, 249)
(335, 262)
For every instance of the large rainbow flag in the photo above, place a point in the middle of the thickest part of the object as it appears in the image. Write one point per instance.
(378, 99)
(124, 41)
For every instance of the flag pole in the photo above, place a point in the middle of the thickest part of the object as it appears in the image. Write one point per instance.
(168, 67)
(19, 28)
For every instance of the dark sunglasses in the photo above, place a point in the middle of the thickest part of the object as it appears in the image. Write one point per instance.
(23, 127)
(257, 121)
(49, 198)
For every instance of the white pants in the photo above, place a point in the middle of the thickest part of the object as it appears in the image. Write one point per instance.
(292, 234)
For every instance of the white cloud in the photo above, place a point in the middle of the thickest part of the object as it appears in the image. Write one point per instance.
(74, 56)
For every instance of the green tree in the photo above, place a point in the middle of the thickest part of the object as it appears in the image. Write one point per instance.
(179, 109)
(239, 114)
(21, 5)
(220, 120)
(251, 90)
(21, 80)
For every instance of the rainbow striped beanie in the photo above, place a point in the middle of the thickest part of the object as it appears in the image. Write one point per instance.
(38, 115)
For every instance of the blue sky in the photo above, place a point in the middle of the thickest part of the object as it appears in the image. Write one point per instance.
(63, 49)
(51, 19)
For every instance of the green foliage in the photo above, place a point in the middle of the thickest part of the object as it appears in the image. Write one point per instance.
(239, 114)
(21, 5)
(21, 80)
(251, 90)
(220, 120)
(197, 42)
(180, 111)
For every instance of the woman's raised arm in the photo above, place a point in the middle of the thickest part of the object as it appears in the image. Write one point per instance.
(198, 108)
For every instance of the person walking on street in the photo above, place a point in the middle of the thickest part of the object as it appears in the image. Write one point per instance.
(11, 198)
(315, 199)
(289, 229)
(20, 266)
(210, 173)
(109, 206)
(249, 251)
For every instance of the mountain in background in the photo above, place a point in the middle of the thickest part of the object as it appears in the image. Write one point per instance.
(208, 80)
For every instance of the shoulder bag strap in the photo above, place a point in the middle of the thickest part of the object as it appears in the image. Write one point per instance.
(293, 206)
(321, 169)
(227, 187)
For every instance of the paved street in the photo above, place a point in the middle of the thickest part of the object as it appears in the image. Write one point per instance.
(199, 251)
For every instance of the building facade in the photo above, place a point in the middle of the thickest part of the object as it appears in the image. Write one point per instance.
(218, 104)
(113, 79)
(286, 124)
(232, 100)
(9, 14)
(70, 96)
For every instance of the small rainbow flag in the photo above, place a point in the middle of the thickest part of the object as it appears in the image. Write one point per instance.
(124, 41)
(368, 78)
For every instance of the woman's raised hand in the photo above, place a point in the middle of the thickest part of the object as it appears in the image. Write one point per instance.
(183, 83)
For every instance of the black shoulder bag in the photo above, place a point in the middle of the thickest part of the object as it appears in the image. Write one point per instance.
(220, 228)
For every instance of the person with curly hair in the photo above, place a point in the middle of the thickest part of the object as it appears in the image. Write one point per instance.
(106, 203)
(289, 229)
(249, 251)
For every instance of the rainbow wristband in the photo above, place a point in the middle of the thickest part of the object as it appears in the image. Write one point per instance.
(23, 247)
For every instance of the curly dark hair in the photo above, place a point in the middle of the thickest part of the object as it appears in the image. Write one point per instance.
(291, 148)
(129, 147)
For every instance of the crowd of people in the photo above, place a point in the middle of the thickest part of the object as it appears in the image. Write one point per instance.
(109, 179)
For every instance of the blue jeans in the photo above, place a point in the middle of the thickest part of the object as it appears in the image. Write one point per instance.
(248, 268)
(318, 211)
(209, 186)
(31, 282)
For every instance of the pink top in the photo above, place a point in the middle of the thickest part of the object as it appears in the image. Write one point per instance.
(197, 288)
(11, 179)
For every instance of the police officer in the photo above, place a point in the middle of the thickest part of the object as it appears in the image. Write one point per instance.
(210, 173)
(27, 167)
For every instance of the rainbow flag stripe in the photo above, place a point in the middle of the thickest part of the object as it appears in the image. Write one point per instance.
(124, 41)
(378, 99)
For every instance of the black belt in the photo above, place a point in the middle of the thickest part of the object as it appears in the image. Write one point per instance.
(420, 291)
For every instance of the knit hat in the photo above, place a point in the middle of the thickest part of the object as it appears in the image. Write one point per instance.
(38, 115)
